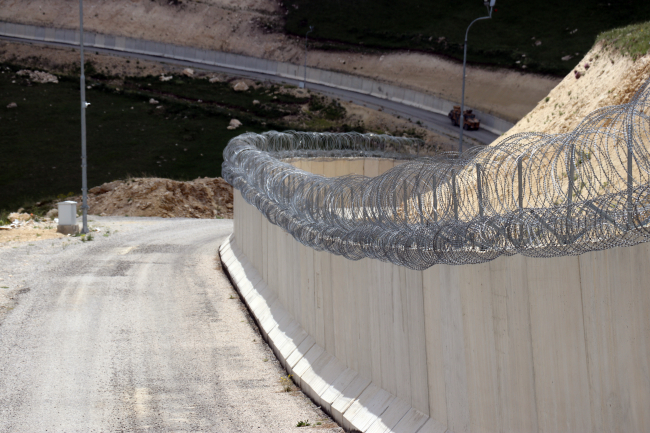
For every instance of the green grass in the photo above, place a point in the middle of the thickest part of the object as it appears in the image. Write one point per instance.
(502, 41)
(40, 140)
(632, 40)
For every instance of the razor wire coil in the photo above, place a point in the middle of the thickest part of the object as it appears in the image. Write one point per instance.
(534, 194)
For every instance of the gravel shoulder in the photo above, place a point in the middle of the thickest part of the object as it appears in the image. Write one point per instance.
(138, 329)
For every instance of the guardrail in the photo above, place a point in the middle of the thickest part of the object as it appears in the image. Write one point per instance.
(338, 80)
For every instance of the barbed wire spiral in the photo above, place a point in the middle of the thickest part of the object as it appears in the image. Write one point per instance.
(534, 194)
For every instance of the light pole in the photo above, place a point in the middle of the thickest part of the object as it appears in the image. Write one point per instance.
(304, 82)
(489, 4)
(84, 104)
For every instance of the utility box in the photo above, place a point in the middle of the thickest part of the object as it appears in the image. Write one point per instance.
(68, 218)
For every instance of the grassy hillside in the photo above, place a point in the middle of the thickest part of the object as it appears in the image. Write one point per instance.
(40, 140)
(563, 27)
(632, 40)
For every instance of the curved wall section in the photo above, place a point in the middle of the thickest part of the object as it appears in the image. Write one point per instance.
(516, 344)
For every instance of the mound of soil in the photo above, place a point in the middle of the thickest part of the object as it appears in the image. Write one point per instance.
(156, 197)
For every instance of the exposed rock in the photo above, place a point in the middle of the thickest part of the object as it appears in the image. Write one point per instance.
(38, 76)
(215, 80)
(234, 124)
(538, 43)
(188, 72)
(256, 102)
(19, 216)
(240, 86)
(567, 57)
(166, 77)
(102, 189)
(153, 101)
(12, 105)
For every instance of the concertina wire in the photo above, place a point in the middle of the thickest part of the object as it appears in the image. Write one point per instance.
(540, 195)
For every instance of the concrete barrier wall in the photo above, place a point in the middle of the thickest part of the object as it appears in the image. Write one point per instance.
(517, 344)
(339, 167)
(295, 72)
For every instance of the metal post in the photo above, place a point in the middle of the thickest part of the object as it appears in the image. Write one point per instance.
(304, 82)
(406, 202)
(418, 194)
(570, 193)
(453, 193)
(479, 189)
(435, 199)
(461, 119)
(520, 179)
(630, 180)
(84, 163)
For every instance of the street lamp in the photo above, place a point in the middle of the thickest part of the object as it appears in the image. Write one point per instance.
(489, 4)
(304, 82)
(84, 105)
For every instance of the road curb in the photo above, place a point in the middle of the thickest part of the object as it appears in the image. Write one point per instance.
(352, 400)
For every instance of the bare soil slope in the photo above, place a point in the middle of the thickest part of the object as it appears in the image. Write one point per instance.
(604, 77)
(253, 27)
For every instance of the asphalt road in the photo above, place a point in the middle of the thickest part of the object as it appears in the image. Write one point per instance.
(138, 330)
(432, 121)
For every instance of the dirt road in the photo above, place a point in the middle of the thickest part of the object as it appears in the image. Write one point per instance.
(138, 330)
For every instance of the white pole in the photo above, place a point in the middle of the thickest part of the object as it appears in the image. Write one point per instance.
(84, 165)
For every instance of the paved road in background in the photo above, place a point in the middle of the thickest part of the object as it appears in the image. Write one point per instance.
(136, 331)
(430, 120)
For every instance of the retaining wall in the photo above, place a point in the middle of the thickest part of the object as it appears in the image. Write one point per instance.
(270, 67)
(514, 345)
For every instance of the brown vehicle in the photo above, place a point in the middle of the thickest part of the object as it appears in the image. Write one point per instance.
(470, 120)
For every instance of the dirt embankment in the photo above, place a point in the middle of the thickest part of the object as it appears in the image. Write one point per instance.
(604, 77)
(254, 27)
(149, 197)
